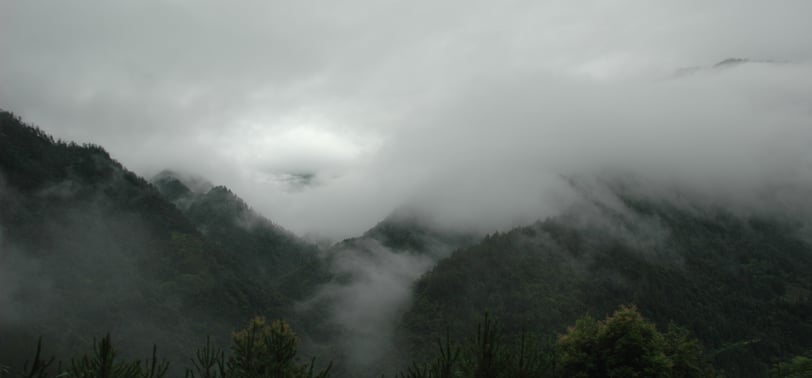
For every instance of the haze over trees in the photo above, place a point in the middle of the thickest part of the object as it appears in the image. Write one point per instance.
(91, 249)
(410, 189)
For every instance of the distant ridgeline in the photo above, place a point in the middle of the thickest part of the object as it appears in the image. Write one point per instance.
(87, 247)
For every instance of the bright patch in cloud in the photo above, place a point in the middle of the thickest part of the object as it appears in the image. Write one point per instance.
(297, 154)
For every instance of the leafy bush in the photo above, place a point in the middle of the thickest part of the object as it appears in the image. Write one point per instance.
(626, 345)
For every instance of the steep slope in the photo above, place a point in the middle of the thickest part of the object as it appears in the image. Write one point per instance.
(265, 251)
(88, 247)
(741, 283)
(369, 276)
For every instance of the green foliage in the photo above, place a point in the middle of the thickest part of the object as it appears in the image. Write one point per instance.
(626, 345)
(263, 349)
(686, 353)
(623, 345)
(798, 367)
(257, 351)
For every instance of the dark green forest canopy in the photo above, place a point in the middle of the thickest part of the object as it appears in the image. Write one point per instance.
(740, 283)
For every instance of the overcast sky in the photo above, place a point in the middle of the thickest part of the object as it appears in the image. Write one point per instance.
(327, 115)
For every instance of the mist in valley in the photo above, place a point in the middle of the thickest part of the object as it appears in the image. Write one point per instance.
(626, 122)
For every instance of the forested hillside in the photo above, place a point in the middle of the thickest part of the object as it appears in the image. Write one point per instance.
(88, 248)
(740, 283)
(265, 252)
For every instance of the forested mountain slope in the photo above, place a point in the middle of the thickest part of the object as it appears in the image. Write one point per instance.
(265, 251)
(88, 247)
(740, 283)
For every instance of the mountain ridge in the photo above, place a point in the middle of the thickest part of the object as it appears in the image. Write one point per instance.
(717, 273)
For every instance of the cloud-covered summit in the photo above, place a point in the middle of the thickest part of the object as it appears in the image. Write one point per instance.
(328, 116)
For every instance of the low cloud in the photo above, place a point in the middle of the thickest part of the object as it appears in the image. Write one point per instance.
(371, 289)
(325, 118)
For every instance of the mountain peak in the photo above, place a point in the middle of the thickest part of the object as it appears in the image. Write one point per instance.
(731, 62)
(193, 183)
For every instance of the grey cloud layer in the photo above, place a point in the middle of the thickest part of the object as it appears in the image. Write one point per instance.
(468, 108)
